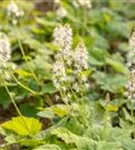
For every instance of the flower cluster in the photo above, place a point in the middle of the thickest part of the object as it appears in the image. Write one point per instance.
(61, 12)
(14, 11)
(59, 74)
(130, 87)
(82, 3)
(70, 65)
(131, 54)
(63, 38)
(5, 50)
(80, 57)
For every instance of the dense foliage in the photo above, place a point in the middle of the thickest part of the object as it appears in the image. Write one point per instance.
(68, 75)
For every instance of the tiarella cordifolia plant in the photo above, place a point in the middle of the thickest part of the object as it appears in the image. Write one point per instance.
(14, 12)
(80, 124)
(68, 70)
(63, 38)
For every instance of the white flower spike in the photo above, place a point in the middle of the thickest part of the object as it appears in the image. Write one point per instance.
(5, 50)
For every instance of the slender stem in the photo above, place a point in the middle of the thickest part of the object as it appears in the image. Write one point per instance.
(11, 97)
(23, 86)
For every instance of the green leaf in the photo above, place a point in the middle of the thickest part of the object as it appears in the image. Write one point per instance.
(45, 22)
(31, 142)
(32, 43)
(109, 146)
(117, 66)
(50, 112)
(46, 113)
(117, 29)
(70, 138)
(23, 126)
(60, 110)
(111, 82)
(29, 109)
(112, 108)
(10, 139)
(98, 56)
(63, 133)
(4, 98)
(23, 73)
(48, 147)
(48, 88)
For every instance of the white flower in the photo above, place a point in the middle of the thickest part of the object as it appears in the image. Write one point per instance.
(12, 8)
(5, 50)
(14, 11)
(58, 68)
(80, 57)
(63, 36)
(82, 3)
(131, 53)
(130, 87)
(61, 12)
(59, 74)
(70, 65)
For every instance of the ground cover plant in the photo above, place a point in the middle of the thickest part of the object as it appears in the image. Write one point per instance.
(67, 75)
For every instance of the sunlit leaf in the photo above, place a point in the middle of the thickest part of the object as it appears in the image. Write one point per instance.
(23, 73)
(23, 126)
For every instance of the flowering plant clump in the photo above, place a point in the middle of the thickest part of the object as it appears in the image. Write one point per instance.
(68, 70)
(70, 64)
